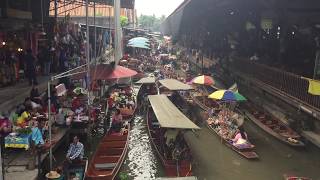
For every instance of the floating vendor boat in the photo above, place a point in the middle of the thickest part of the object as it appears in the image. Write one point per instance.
(166, 125)
(109, 156)
(123, 98)
(79, 169)
(246, 150)
(273, 126)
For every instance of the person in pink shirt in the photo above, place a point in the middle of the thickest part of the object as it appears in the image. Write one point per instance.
(117, 120)
(241, 137)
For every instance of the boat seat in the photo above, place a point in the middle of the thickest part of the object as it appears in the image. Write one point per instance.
(105, 166)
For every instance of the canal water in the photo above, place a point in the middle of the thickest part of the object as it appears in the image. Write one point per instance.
(215, 161)
(141, 162)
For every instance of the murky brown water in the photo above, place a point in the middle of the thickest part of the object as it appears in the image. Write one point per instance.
(215, 161)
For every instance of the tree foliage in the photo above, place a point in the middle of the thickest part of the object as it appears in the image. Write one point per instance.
(151, 22)
(124, 21)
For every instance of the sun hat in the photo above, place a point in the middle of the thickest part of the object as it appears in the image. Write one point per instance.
(53, 175)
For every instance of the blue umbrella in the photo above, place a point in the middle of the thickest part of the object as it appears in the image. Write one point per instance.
(139, 39)
(138, 44)
(143, 46)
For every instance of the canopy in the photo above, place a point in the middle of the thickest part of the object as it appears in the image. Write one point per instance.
(121, 72)
(227, 95)
(107, 72)
(204, 80)
(142, 46)
(175, 85)
(139, 39)
(168, 114)
(147, 80)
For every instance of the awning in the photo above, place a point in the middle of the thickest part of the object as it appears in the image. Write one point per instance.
(106, 72)
(147, 80)
(175, 85)
(168, 115)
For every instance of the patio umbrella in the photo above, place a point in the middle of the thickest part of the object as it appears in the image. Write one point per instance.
(121, 72)
(203, 80)
(107, 72)
(142, 46)
(227, 95)
(139, 39)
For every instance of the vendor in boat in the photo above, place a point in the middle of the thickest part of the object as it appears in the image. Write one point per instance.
(240, 137)
(75, 151)
(117, 120)
(74, 155)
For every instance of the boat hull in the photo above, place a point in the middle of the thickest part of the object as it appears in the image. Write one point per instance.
(269, 130)
(170, 166)
(109, 157)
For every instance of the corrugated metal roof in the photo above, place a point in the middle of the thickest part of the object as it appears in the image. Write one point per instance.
(175, 85)
(147, 80)
(168, 115)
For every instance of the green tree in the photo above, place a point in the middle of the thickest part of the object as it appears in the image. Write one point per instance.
(124, 21)
(150, 22)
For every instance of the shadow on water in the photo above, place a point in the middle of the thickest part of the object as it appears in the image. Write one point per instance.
(141, 162)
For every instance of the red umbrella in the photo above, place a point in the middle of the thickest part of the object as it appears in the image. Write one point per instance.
(121, 72)
(107, 72)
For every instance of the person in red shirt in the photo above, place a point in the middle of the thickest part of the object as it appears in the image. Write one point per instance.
(117, 120)
(75, 103)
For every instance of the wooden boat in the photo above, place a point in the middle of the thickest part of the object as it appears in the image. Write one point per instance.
(290, 177)
(109, 156)
(148, 86)
(205, 103)
(178, 93)
(273, 126)
(247, 152)
(79, 170)
(159, 120)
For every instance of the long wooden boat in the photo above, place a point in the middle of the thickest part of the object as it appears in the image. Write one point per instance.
(109, 156)
(79, 169)
(160, 121)
(205, 103)
(290, 177)
(247, 152)
(147, 87)
(273, 126)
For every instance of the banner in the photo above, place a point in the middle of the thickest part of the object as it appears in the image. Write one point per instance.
(314, 86)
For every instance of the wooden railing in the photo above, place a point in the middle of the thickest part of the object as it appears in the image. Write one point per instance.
(285, 82)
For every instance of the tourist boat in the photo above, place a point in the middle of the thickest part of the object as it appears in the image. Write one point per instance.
(273, 126)
(148, 86)
(164, 117)
(177, 93)
(109, 156)
(290, 177)
(79, 169)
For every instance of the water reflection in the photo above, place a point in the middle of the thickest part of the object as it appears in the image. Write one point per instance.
(141, 162)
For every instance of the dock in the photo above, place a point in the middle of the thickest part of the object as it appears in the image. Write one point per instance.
(18, 160)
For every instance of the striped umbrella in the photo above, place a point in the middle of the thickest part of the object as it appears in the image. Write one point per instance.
(227, 95)
(204, 80)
